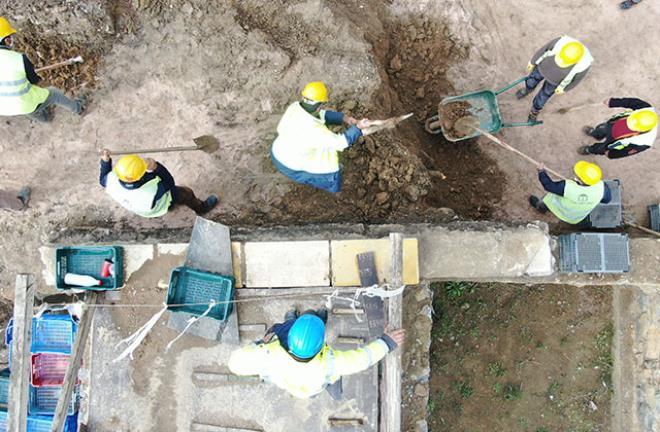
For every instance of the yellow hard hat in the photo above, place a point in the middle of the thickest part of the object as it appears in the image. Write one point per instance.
(569, 54)
(642, 120)
(315, 91)
(130, 168)
(5, 28)
(588, 172)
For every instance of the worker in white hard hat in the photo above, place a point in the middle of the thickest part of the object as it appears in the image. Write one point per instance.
(625, 133)
(19, 93)
(573, 200)
(305, 150)
(562, 63)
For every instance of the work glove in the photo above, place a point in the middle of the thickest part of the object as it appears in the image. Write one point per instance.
(559, 91)
(530, 67)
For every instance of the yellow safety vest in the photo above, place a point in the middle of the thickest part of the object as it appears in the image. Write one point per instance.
(139, 200)
(17, 95)
(273, 364)
(578, 201)
(304, 142)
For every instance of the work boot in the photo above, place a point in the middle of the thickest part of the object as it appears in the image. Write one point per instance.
(535, 202)
(521, 93)
(209, 204)
(584, 150)
(323, 314)
(533, 114)
(24, 195)
(291, 315)
(588, 130)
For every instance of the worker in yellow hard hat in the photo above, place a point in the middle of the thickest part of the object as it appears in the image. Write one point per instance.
(562, 63)
(305, 150)
(573, 200)
(146, 188)
(19, 94)
(625, 133)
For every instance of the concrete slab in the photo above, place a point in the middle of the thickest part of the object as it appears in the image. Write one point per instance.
(287, 264)
(344, 260)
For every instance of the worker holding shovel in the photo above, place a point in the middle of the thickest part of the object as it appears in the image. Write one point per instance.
(305, 150)
(19, 94)
(569, 200)
(562, 63)
(146, 188)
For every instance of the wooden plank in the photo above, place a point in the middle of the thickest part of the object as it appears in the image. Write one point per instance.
(391, 390)
(20, 371)
(75, 362)
(203, 427)
(373, 306)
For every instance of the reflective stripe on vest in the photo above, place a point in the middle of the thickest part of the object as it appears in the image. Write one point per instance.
(578, 201)
(562, 77)
(17, 95)
(139, 200)
(642, 139)
(304, 143)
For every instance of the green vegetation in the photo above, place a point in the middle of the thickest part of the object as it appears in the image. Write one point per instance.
(496, 369)
(465, 389)
(604, 360)
(513, 392)
(455, 290)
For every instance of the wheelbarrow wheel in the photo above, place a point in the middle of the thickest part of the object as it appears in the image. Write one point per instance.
(433, 125)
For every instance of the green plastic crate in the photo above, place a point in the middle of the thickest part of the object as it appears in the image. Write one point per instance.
(88, 260)
(195, 286)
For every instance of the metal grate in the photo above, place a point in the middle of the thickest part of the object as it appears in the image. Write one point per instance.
(654, 215)
(594, 253)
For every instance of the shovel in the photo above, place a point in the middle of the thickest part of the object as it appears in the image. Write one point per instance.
(379, 125)
(205, 143)
(68, 62)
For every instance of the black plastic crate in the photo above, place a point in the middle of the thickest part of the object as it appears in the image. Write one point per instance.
(594, 253)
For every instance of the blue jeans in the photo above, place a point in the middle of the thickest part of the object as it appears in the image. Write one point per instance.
(546, 92)
(55, 97)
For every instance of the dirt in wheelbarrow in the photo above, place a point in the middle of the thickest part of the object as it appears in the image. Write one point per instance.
(457, 121)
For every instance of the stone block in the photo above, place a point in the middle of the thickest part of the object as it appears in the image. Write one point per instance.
(344, 260)
(287, 264)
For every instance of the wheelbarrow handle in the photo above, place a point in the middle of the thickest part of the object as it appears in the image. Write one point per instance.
(528, 123)
(510, 86)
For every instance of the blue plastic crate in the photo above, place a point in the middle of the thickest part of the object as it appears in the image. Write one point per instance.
(198, 287)
(4, 388)
(9, 332)
(43, 401)
(53, 334)
(88, 261)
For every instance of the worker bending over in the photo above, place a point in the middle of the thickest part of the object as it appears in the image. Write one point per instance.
(572, 201)
(305, 150)
(294, 356)
(626, 133)
(146, 187)
(562, 63)
(19, 94)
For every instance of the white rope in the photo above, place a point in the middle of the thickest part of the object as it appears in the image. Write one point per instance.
(136, 338)
(191, 321)
(378, 291)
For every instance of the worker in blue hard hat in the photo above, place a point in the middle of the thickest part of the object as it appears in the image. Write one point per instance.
(294, 356)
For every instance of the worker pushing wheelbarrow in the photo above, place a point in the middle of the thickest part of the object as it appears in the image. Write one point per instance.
(462, 117)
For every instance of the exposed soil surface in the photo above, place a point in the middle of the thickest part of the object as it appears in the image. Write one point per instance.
(519, 358)
(456, 118)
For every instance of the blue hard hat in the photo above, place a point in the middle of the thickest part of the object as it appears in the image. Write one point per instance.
(306, 336)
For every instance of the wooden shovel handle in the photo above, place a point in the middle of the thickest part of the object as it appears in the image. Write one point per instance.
(154, 150)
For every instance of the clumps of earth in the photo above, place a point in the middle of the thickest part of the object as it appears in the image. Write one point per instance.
(457, 119)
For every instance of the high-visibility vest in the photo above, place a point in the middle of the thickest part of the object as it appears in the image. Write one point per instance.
(17, 95)
(139, 200)
(304, 143)
(578, 201)
(642, 139)
(562, 77)
(304, 379)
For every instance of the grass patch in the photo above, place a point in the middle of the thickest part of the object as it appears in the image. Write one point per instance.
(496, 369)
(512, 392)
(604, 360)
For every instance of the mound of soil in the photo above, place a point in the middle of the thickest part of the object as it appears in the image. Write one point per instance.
(457, 121)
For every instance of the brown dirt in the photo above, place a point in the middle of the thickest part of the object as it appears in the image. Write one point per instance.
(454, 116)
(520, 358)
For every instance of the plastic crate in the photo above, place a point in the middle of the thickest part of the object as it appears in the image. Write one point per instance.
(654, 216)
(608, 215)
(53, 334)
(43, 401)
(594, 253)
(4, 388)
(48, 370)
(88, 260)
(198, 287)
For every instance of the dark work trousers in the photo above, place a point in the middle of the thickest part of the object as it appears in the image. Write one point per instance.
(185, 196)
(546, 92)
(601, 132)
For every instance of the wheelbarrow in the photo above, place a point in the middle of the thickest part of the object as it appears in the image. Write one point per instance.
(481, 111)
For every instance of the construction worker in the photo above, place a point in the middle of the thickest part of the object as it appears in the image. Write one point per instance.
(569, 200)
(19, 94)
(146, 187)
(305, 150)
(562, 63)
(294, 356)
(626, 133)
(15, 200)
